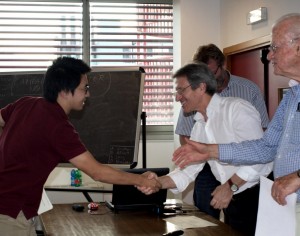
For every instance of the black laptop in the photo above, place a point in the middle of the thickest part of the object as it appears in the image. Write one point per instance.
(127, 197)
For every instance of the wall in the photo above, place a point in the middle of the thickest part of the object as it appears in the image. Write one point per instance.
(234, 29)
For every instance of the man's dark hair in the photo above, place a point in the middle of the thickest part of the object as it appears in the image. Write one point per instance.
(63, 75)
(197, 73)
(210, 51)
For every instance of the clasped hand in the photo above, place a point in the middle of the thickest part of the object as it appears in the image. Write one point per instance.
(150, 176)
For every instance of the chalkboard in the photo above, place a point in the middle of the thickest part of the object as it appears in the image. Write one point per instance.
(109, 125)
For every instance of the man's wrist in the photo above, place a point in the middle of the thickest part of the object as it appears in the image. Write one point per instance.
(213, 151)
(233, 186)
(298, 173)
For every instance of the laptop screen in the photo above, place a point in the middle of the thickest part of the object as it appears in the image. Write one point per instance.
(127, 197)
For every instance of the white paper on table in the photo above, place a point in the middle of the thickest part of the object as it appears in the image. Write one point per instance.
(185, 222)
(272, 218)
(45, 204)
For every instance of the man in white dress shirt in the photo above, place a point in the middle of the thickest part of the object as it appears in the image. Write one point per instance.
(219, 120)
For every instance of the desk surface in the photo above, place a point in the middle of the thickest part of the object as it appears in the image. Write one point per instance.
(62, 220)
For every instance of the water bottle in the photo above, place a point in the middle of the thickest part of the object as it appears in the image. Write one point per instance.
(73, 176)
(79, 177)
(78, 180)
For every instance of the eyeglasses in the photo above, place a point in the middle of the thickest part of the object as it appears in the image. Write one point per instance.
(181, 91)
(273, 48)
(86, 89)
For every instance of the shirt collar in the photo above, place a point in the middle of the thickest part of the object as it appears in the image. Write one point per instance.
(295, 86)
(293, 83)
(229, 82)
(213, 104)
(211, 108)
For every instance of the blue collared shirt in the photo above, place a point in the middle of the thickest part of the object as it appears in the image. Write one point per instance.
(281, 141)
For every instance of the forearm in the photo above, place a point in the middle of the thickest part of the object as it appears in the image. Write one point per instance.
(166, 182)
(114, 176)
(105, 173)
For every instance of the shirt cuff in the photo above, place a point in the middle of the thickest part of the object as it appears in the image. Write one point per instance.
(225, 153)
(180, 179)
(253, 173)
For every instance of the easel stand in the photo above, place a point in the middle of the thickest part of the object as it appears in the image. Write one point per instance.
(143, 118)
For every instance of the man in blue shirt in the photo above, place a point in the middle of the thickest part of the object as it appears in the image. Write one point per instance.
(281, 141)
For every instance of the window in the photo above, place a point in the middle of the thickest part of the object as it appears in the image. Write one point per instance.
(32, 34)
(103, 33)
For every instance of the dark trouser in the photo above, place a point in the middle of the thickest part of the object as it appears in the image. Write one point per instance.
(241, 213)
(205, 184)
(242, 210)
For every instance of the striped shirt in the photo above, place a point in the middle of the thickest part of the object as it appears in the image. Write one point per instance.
(281, 141)
(237, 87)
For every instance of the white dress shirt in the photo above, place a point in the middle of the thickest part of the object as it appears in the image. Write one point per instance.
(229, 120)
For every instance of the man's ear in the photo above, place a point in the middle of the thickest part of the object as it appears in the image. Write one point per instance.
(202, 86)
(63, 94)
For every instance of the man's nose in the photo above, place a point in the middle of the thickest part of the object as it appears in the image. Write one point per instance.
(178, 97)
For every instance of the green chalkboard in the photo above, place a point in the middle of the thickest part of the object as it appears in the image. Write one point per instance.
(110, 123)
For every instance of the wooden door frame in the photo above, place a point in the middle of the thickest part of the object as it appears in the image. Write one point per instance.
(258, 43)
(245, 46)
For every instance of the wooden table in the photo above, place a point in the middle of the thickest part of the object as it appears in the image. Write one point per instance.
(62, 220)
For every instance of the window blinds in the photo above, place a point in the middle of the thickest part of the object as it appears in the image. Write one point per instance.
(103, 33)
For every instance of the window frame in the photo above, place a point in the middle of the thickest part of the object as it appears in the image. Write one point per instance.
(154, 132)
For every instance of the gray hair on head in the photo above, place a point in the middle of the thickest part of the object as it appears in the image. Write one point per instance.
(292, 20)
(197, 73)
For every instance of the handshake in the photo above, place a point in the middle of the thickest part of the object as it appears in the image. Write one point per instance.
(155, 185)
(190, 153)
(161, 182)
